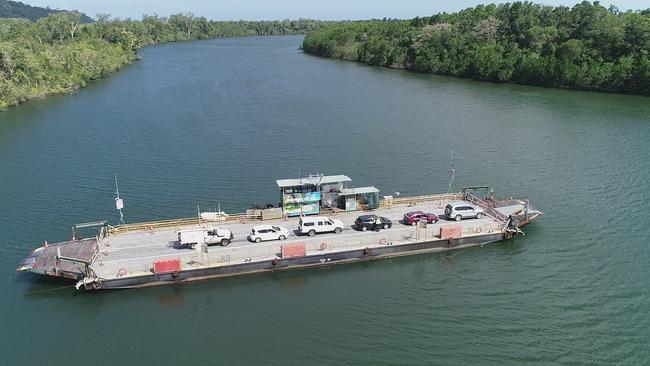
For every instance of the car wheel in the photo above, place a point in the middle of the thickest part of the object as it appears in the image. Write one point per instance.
(458, 217)
(414, 223)
(193, 245)
(258, 240)
(386, 226)
(338, 230)
(225, 242)
(479, 215)
(312, 232)
(282, 237)
(364, 228)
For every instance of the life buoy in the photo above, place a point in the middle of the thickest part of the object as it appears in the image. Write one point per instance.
(97, 285)
(366, 251)
(121, 272)
(478, 230)
(383, 241)
(323, 246)
(175, 274)
(508, 235)
(275, 261)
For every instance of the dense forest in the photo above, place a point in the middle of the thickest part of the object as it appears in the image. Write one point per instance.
(16, 9)
(586, 47)
(60, 53)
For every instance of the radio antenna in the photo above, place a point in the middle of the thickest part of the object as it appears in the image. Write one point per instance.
(119, 203)
(452, 172)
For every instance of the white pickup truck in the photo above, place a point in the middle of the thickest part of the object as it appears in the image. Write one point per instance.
(190, 238)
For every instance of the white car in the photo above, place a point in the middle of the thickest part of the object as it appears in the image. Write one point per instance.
(319, 224)
(268, 232)
(462, 210)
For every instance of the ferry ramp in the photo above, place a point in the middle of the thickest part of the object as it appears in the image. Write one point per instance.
(45, 260)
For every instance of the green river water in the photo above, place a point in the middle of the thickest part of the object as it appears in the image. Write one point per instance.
(218, 121)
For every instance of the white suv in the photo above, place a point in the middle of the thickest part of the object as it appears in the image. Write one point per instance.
(319, 224)
(268, 232)
(462, 210)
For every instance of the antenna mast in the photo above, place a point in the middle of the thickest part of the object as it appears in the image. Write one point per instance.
(452, 172)
(119, 203)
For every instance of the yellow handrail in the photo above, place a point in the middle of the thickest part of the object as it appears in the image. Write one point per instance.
(242, 217)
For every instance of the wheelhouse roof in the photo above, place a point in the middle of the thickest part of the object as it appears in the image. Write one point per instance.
(312, 180)
(360, 190)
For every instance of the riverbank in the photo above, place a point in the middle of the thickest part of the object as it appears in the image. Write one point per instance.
(59, 54)
(210, 123)
(587, 47)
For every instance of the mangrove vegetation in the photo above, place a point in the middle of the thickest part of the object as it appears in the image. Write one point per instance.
(60, 53)
(587, 46)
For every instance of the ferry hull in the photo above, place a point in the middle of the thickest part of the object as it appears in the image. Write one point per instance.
(148, 254)
(319, 260)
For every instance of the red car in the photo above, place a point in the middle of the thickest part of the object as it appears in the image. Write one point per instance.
(412, 218)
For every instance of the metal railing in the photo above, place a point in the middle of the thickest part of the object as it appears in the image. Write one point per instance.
(441, 199)
(193, 221)
(485, 206)
(438, 199)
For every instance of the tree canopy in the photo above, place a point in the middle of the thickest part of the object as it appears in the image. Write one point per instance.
(587, 46)
(59, 53)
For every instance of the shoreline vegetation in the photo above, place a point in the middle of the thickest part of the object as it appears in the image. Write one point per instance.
(585, 47)
(60, 53)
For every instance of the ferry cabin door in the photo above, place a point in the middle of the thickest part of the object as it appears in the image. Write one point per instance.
(373, 200)
(350, 203)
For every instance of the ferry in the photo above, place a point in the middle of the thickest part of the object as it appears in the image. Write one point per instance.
(155, 253)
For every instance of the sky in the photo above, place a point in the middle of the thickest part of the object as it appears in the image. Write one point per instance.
(289, 9)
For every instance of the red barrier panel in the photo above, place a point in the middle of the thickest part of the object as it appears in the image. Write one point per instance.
(167, 265)
(450, 232)
(293, 250)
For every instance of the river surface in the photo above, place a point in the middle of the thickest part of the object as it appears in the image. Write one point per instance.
(217, 122)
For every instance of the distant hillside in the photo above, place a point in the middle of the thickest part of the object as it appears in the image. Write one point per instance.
(15, 9)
